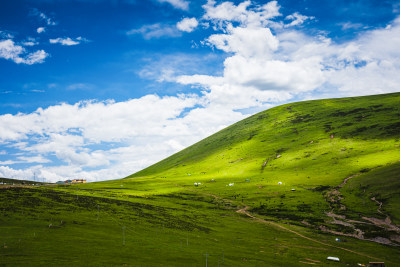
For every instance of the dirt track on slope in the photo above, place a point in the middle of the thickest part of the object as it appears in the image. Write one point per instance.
(334, 196)
(245, 212)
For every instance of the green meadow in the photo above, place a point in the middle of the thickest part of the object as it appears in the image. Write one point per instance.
(276, 189)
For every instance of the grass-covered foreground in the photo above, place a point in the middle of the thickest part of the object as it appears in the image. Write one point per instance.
(341, 157)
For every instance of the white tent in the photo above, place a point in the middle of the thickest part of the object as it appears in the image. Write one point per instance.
(333, 258)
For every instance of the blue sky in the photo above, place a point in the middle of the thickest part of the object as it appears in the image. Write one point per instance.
(99, 89)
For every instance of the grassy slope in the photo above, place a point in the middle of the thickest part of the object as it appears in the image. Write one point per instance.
(295, 141)
(169, 222)
(383, 184)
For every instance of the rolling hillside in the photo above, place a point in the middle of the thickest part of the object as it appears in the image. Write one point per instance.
(276, 189)
(311, 147)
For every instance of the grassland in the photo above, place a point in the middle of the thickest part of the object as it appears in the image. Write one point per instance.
(340, 155)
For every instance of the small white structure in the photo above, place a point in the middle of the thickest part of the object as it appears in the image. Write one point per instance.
(337, 239)
(333, 258)
(293, 189)
(279, 182)
(231, 184)
(196, 184)
(212, 180)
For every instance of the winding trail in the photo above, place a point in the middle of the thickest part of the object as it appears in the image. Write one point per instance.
(380, 205)
(334, 196)
(245, 211)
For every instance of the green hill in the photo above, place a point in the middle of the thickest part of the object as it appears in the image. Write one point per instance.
(308, 146)
(276, 189)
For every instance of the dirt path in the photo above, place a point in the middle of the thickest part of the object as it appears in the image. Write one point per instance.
(334, 196)
(380, 205)
(245, 211)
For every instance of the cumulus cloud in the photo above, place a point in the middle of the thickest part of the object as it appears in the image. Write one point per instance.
(247, 42)
(131, 135)
(272, 61)
(369, 64)
(68, 41)
(227, 12)
(179, 4)
(260, 67)
(187, 24)
(11, 51)
(267, 60)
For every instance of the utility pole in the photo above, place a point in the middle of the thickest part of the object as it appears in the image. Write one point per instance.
(206, 258)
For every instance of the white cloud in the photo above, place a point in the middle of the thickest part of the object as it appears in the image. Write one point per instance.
(41, 29)
(248, 42)
(8, 172)
(269, 62)
(179, 4)
(187, 24)
(370, 63)
(266, 63)
(155, 31)
(9, 50)
(143, 135)
(36, 57)
(30, 42)
(297, 19)
(228, 12)
(64, 41)
(68, 41)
